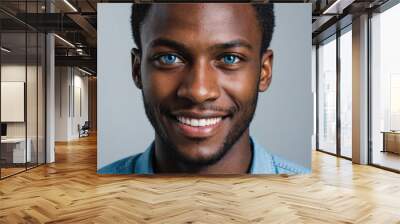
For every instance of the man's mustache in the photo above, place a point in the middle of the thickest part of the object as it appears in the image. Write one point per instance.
(200, 107)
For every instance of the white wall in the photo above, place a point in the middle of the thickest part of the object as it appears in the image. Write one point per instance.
(69, 81)
(283, 121)
(18, 72)
(284, 118)
(80, 112)
(61, 103)
(120, 133)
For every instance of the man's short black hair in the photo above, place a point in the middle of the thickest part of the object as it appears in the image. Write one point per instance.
(265, 17)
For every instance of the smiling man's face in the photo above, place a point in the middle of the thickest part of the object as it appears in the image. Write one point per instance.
(200, 71)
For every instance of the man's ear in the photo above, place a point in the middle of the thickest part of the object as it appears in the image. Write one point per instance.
(136, 61)
(266, 70)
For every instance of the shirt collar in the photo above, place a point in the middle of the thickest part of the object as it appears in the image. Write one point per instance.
(262, 162)
(144, 164)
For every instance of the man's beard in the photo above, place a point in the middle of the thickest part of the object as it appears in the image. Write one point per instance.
(232, 137)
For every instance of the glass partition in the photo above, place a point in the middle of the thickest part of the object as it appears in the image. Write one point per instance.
(31, 100)
(33, 65)
(13, 110)
(22, 89)
(327, 95)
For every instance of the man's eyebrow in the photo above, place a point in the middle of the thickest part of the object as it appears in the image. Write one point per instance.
(232, 44)
(169, 43)
(181, 47)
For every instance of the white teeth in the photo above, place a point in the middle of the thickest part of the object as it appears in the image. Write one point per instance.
(199, 122)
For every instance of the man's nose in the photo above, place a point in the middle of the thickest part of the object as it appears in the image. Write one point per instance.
(200, 83)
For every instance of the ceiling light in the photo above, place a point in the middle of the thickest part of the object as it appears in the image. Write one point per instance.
(84, 71)
(337, 7)
(70, 5)
(65, 41)
(5, 50)
(79, 51)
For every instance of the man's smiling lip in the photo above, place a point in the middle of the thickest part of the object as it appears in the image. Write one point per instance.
(198, 124)
(199, 114)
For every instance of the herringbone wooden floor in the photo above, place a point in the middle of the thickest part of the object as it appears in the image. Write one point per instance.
(70, 191)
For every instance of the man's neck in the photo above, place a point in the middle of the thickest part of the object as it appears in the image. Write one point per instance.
(237, 160)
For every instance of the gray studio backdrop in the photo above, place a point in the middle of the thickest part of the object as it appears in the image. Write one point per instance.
(283, 123)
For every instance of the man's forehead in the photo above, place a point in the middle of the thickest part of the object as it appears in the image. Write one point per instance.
(202, 11)
(205, 20)
(198, 7)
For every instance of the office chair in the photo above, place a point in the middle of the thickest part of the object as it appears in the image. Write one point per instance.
(84, 130)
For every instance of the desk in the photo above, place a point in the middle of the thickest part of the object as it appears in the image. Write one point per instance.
(391, 141)
(13, 150)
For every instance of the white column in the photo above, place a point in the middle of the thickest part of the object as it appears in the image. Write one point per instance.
(50, 92)
(360, 90)
(50, 100)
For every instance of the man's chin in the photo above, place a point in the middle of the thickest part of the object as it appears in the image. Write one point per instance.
(200, 159)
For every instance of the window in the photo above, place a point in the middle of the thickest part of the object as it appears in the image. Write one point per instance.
(327, 95)
(346, 75)
(385, 88)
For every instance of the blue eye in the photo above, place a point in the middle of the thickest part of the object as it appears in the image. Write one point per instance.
(230, 59)
(169, 59)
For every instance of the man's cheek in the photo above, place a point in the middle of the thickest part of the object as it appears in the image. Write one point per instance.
(241, 91)
(162, 86)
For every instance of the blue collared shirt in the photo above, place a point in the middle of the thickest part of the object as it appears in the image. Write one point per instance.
(263, 162)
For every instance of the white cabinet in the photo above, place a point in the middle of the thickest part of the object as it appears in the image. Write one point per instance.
(18, 149)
